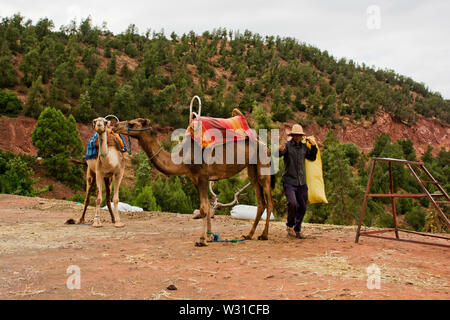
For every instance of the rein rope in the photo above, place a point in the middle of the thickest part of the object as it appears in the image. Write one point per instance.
(217, 239)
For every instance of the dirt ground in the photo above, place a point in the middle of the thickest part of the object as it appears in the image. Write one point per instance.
(155, 250)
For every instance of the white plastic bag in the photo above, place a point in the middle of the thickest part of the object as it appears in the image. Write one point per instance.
(124, 207)
(247, 212)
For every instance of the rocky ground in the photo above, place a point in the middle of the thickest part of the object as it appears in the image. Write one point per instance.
(155, 250)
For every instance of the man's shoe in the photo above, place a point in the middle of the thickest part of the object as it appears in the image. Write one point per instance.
(300, 235)
(290, 232)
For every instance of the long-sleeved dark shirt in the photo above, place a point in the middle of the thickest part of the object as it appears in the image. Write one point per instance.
(294, 162)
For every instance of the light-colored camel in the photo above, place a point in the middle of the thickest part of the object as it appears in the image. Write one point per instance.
(90, 181)
(110, 165)
(201, 174)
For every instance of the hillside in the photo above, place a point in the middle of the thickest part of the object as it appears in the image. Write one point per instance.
(151, 75)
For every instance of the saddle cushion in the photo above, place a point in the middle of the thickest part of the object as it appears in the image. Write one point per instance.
(113, 139)
(225, 130)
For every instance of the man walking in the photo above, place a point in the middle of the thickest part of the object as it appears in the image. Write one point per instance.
(294, 153)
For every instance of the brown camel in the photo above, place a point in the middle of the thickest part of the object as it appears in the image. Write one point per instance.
(109, 165)
(201, 174)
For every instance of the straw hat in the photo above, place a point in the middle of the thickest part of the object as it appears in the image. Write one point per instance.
(296, 129)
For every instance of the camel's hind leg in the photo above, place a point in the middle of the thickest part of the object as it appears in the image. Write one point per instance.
(259, 198)
(117, 180)
(108, 198)
(204, 211)
(90, 180)
(269, 202)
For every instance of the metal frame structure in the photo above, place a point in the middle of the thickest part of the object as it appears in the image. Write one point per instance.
(393, 195)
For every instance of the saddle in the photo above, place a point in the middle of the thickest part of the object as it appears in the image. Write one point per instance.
(113, 140)
(208, 131)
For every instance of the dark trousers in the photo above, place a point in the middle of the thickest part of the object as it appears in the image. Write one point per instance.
(297, 198)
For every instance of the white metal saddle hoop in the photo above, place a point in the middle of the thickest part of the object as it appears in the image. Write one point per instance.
(191, 113)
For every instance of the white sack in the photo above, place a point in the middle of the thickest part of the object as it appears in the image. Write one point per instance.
(124, 207)
(247, 212)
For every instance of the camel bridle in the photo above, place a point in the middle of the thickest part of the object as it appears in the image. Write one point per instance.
(140, 129)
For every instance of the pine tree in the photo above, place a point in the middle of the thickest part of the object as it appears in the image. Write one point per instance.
(124, 104)
(8, 73)
(35, 97)
(112, 65)
(147, 200)
(125, 72)
(57, 140)
(84, 112)
(10, 104)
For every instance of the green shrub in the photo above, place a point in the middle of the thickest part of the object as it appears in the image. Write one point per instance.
(416, 218)
(351, 152)
(17, 179)
(170, 196)
(10, 104)
(384, 220)
(147, 200)
(57, 140)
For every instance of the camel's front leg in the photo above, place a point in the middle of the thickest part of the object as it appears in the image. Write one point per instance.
(108, 198)
(97, 223)
(117, 181)
(204, 211)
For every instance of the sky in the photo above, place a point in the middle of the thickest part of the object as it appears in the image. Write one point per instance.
(409, 37)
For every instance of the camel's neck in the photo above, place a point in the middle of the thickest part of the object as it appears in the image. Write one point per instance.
(161, 159)
(103, 143)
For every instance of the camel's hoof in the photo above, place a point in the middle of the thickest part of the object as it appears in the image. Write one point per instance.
(263, 237)
(81, 221)
(97, 224)
(246, 237)
(201, 244)
(119, 225)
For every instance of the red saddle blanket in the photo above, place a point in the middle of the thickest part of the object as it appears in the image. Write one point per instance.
(210, 131)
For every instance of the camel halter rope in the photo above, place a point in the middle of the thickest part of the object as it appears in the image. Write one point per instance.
(142, 129)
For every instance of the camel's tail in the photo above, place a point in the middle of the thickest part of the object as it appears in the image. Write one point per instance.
(273, 177)
(273, 180)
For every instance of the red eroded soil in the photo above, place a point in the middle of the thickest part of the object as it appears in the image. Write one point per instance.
(425, 132)
(16, 133)
(155, 250)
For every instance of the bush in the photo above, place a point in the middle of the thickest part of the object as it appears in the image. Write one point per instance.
(416, 218)
(351, 152)
(10, 104)
(8, 73)
(17, 179)
(57, 140)
(147, 200)
(170, 196)
(384, 220)
(84, 112)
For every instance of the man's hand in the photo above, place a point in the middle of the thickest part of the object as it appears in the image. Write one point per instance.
(282, 147)
(312, 140)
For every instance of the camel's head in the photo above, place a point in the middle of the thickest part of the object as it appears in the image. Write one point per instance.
(134, 127)
(100, 124)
